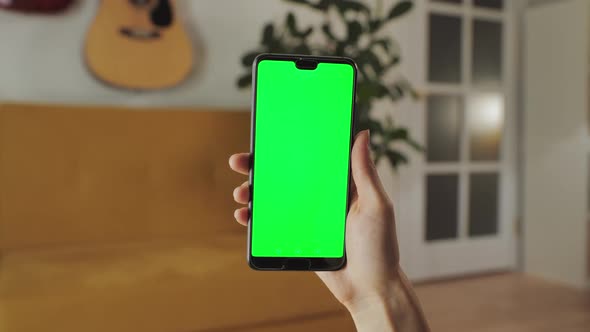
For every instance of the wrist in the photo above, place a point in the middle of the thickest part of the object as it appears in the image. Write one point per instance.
(386, 308)
(378, 292)
(375, 313)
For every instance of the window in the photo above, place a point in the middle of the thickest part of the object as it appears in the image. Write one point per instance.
(464, 118)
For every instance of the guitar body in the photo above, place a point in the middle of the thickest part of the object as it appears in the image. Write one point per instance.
(139, 45)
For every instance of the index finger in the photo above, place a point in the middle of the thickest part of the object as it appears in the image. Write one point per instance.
(240, 162)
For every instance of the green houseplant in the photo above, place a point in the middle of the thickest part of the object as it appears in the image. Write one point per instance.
(375, 53)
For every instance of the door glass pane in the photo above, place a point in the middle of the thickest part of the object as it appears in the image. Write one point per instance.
(495, 4)
(486, 119)
(483, 204)
(444, 59)
(441, 207)
(443, 131)
(448, 1)
(487, 52)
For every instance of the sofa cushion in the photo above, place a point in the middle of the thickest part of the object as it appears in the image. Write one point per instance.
(158, 286)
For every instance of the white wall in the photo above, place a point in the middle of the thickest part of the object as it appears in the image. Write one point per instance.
(41, 56)
(556, 141)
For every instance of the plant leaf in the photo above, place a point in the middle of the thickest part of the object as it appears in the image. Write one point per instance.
(248, 58)
(400, 88)
(367, 90)
(369, 58)
(409, 89)
(395, 158)
(364, 93)
(328, 32)
(374, 126)
(385, 43)
(292, 26)
(291, 22)
(398, 133)
(346, 5)
(396, 92)
(403, 134)
(301, 2)
(323, 5)
(268, 34)
(375, 24)
(340, 47)
(245, 80)
(354, 32)
(400, 9)
(362, 109)
(417, 146)
(305, 33)
(379, 89)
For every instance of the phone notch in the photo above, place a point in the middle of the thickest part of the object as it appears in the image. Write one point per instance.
(306, 64)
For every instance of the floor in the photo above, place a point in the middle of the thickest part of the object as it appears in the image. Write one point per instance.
(501, 302)
(494, 303)
(504, 302)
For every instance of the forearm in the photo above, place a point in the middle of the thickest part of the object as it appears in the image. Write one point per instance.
(396, 310)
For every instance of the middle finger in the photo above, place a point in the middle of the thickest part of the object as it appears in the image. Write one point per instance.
(242, 193)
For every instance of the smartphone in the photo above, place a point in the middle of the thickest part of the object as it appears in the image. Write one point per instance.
(301, 140)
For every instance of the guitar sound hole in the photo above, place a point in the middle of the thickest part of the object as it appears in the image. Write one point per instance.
(162, 14)
(160, 11)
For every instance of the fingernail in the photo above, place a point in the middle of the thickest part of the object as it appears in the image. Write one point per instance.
(368, 138)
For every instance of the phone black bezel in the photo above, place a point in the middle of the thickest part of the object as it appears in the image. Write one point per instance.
(296, 263)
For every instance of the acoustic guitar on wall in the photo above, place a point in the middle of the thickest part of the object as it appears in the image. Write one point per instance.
(138, 44)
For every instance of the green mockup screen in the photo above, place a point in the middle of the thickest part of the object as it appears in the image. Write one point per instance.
(302, 134)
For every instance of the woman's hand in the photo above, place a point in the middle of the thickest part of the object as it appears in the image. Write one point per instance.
(371, 285)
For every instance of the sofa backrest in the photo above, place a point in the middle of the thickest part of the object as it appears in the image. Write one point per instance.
(84, 175)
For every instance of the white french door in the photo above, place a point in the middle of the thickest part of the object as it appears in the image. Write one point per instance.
(456, 203)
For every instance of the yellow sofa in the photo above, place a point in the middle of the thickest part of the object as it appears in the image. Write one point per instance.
(117, 219)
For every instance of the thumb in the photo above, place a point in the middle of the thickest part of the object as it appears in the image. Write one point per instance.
(368, 185)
